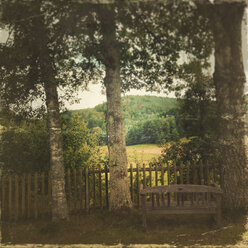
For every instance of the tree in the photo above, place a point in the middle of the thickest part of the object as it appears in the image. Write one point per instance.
(119, 187)
(197, 111)
(229, 80)
(131, 42)
(36, 62)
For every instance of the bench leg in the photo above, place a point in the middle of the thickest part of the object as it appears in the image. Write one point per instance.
(218, 211)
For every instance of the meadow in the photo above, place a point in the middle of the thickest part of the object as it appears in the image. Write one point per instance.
(142, 153)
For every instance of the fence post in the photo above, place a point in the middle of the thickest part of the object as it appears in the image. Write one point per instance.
(144, 176)
(181, 173)
(94, 186)
(207, 171)
(36, 195)
(131, 183)
(138, 184)
(16, 197)
(23, 195)
(10, 197)
(100, 185)
(87, 188)
(42, 192)
(201, 174)
(195, 173)
(3, 197)
(75, 188)
(29, 195)
(188, 172)
(106, 186)
(175, 172)
(156, 175)
(81, 187)
(69, 188)
(162, 173)
(150, 175)
(168, 172)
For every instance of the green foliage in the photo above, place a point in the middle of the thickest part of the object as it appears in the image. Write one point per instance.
(144, 118)
(40, 50)
(80, 145)
(197, 110)
(26, 146)
(153, 131)
(193, 149)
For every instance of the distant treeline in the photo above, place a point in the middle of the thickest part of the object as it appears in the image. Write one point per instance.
(148, 119)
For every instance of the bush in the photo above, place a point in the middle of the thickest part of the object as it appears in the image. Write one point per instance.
(191, 149)
(26, 146)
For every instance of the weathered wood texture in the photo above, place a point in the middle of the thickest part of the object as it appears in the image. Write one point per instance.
(207, 200)
(29, 195)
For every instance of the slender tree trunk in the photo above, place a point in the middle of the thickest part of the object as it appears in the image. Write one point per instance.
(229, 79)
(1, 162)
(59, 204)
(48, 77)
(119, 187)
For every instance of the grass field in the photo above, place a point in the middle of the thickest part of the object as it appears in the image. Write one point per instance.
(103, 227)
(140, 153)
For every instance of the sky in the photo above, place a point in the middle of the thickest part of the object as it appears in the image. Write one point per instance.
(94, 95)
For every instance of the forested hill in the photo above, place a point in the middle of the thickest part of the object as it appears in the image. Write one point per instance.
(137, 111)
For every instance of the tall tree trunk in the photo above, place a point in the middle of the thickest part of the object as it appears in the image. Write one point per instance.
(59, 204)
(1, 162)
(119, 187)
(229, 79)
(45, 61)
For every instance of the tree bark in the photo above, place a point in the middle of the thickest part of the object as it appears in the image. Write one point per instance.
(59, 204)
(119, 187)
(229, 79)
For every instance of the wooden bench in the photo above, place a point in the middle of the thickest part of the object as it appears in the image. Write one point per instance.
(181, 199)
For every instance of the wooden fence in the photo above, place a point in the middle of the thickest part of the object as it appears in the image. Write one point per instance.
(29, 195)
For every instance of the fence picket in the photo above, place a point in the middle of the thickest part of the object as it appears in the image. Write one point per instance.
(22, 196)
(42, 204)
(94, 186)
(181, 173)
(162, 174)
(3, 196)
(36, 195)
(144, 176)
(201, 174)
(69, 188)
(188, 173)
(49, 191)
(195, 170)
(16, 197)
(29, 196)
(100, 185)
(207, 172)
(87, 199)
(75, 191)
(150, 177)
(138, 184)
(156, 175)
(175, 172)
(168, 173)
(106, 186)
(80, 174)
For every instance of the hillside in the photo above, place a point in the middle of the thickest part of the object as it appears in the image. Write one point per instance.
(137, 111)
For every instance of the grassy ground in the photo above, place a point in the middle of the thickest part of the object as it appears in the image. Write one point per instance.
(101, 227)
(140, 153)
